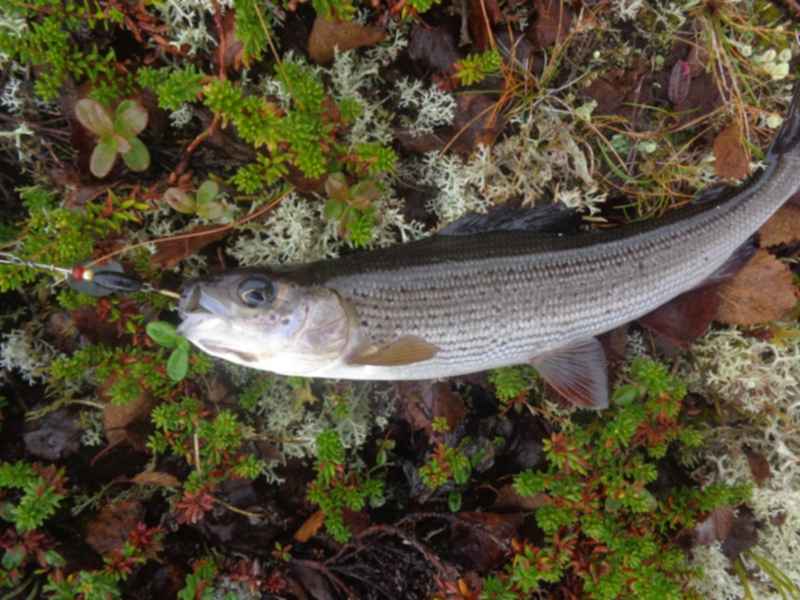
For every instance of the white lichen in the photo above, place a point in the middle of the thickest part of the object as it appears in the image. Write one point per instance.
(27, 354)
(760, 381)
(430, 107)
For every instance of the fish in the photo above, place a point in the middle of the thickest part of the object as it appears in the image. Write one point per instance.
(504, 288)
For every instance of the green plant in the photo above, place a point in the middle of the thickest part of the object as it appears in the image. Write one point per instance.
(351, 207)
(512, 383)
(211, 443)
(204, 203)
(58, 235)
(166, 335)
(117, 136)
(602, 525)
(48, 38)
(477, 67)
(173, 86)
(42, 488)
(334, 489)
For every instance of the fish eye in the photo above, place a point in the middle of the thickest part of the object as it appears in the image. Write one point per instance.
(256, 292)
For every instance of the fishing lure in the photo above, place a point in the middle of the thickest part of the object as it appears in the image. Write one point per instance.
(107, 279)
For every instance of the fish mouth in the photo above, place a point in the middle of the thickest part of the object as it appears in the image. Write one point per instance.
(196, 300)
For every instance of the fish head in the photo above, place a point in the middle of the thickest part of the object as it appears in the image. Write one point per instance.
(264, 320)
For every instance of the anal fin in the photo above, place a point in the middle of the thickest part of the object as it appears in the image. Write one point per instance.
(578, 372)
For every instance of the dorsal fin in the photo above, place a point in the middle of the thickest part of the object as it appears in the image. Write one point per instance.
(548, 218)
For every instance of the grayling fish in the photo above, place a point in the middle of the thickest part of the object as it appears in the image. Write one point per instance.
(487, 291)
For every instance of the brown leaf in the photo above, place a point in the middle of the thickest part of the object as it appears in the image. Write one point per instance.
(433, 47)
(310, 527)
(731, 158)
(482, 540)
(715, 527)
(759, 466)
(425, 401)
(109, 530)
(508, 499)
(480, 25)
(782, 228)
(553, 22)
(172, 251)
(118, 419)
(762, 291)
(344, 35)
(156, 478)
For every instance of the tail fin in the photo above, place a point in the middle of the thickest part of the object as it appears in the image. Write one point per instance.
(788, 138)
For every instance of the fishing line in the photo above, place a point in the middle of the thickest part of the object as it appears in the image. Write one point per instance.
(95, 281)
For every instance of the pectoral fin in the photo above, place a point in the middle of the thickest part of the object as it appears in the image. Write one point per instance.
(578, 372)
(406, 350)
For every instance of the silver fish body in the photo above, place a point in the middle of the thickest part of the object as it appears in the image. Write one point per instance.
(475, 301)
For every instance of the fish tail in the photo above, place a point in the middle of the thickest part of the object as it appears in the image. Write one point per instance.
(788, 139)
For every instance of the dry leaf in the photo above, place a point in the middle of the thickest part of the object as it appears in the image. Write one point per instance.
(715, 527)
(117, 419)
(157, 478)
(731, 159)
(310, 527)
(782, 228)
(762, 291)
(109, 530)
(344, 35)
(508, 499)
(172, 251)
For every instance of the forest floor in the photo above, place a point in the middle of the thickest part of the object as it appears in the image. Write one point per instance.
(180, 138)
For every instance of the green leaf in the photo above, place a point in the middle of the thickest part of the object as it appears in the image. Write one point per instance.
(178, 364)
(454, 501)
(625, 394)
(207, 192)
(103, 157)
(13, 557)
(182, 343)
(163, 333)
(130, 118)
(92, 115)
(138, 157)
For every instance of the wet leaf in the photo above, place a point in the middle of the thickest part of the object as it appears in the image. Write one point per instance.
(483, 16)
(103, 157)
(759, 466)
(433, 47)
(715, 527)
(328, 34)
(782, 228)
(731, 158)
(553, 22)
(92, 115)
(310, 527)
(680, 79)
(130, 118)
(156, 478)
(425, 401)
(762, 291)
(138, 157)
(109, 529)
(482, 539)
